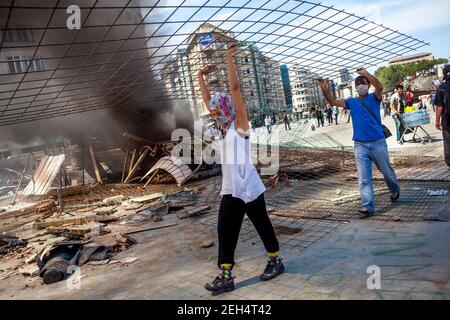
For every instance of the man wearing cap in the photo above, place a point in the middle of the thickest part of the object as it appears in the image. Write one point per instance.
(369, 138)
(443, 112)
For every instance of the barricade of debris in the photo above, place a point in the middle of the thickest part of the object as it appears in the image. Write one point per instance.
(83, 232)
(63, 210)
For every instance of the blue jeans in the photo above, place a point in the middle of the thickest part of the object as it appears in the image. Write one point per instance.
(367, 153)
(398, 126)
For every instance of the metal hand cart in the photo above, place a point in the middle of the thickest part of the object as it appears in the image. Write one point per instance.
(412, 123)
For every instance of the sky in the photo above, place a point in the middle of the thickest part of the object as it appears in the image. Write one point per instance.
(426, 20)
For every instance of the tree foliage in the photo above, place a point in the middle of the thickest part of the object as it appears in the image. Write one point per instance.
(392, 75)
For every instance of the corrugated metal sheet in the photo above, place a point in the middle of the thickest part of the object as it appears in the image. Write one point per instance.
(45, 173)
(174, 166)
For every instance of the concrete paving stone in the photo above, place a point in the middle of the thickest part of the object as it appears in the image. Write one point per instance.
(271, 296)
(282, 290)
(256, 294)
(319, 296)
(295, 296)
(170, 291)
(244, 291)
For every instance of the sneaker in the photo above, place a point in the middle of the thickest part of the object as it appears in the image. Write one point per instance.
(273, 269)
(220, 285)
(395, 196)
(448, 167)
(365, 213)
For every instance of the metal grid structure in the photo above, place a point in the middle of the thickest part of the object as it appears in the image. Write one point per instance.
(118, 55)
(320, 200)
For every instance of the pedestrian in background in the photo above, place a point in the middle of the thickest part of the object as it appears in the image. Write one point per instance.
(409, 98)
(329, 113)
(268, 124)
(443, 112)
(336, 113)
(386, 105)
(286, 121)
(398, 105)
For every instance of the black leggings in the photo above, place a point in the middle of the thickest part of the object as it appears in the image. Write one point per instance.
(231, 215)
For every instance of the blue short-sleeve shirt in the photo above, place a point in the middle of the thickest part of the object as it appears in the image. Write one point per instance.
(365, 127)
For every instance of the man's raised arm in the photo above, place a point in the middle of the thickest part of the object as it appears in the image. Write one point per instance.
(323, 84)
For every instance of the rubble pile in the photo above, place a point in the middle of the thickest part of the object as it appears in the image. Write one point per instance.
(91, 227)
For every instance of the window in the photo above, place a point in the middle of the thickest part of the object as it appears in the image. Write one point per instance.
(20, 36)
(19, 64)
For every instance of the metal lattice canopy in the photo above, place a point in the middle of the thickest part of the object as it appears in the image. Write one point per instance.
(119, 55)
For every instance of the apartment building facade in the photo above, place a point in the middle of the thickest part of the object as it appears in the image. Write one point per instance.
(260, 77)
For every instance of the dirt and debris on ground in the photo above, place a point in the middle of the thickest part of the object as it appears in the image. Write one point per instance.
(102, 220)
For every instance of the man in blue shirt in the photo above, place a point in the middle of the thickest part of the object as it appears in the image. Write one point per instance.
(370, 143)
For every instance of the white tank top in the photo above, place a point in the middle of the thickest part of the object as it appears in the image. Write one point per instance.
(240, 178)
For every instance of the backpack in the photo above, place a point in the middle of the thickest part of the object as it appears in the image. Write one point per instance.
(444, 89)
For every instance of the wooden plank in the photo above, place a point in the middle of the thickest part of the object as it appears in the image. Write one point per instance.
(146, 198)
(136, 165)
(132, 161)
(94, 163)
(125, 165)
(74, 230)
(149, 228)
(72, 221)
(21, 179)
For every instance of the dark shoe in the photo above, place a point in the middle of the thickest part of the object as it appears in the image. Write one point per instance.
(395, 197)
(365, 213)
(273, 270)
(220, 285)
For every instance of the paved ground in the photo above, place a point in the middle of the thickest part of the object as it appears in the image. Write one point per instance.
(338, 135)
(413, 258)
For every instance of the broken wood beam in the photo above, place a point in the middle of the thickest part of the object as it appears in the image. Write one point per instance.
(94, 163)
(21, 178)
(149, 228)
(125, 165)
(147, 198)
(133, 155)
(73, 230)
(73, 221)
(136, 165)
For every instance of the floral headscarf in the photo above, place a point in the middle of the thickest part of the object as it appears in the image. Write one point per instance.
(222, 110)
